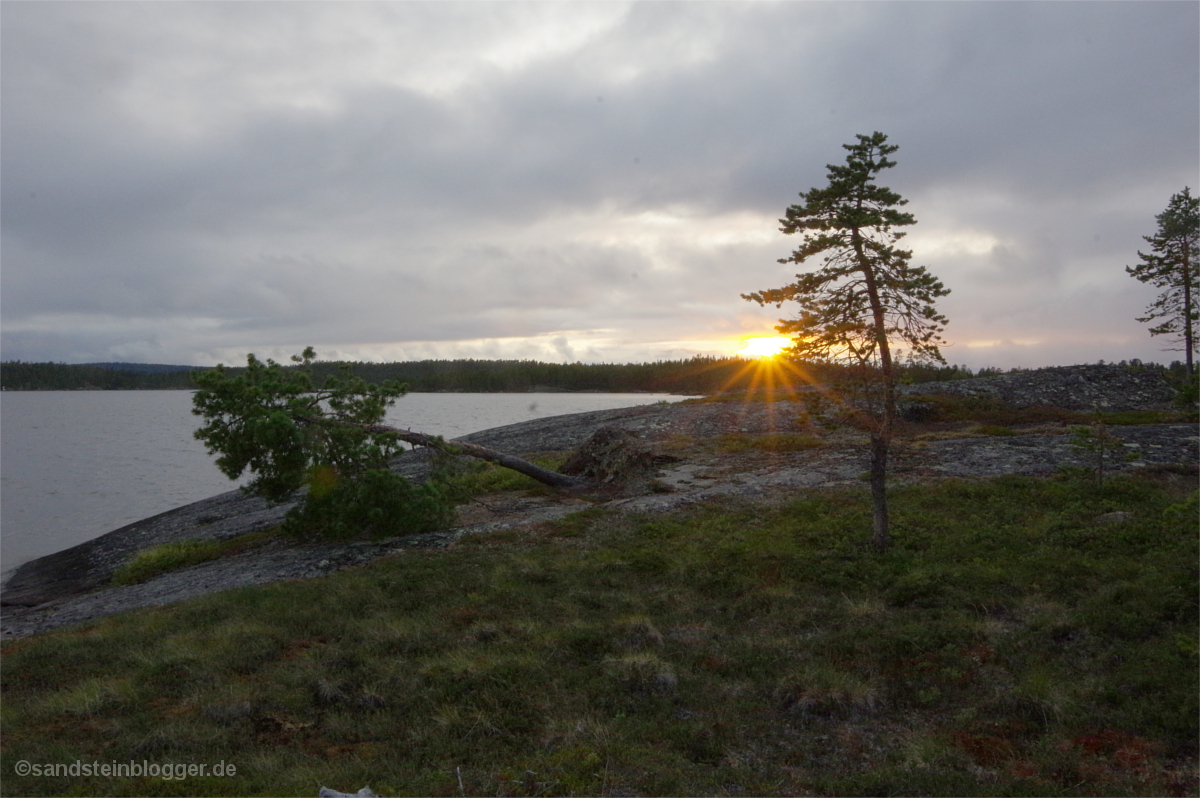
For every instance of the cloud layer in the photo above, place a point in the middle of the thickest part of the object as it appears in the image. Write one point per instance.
(187, 182)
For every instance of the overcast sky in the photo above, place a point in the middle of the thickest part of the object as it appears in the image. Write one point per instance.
(188, 182)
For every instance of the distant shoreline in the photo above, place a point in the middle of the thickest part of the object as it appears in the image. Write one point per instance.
(699, 376)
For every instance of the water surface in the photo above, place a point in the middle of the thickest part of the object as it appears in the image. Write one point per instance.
(77, 464)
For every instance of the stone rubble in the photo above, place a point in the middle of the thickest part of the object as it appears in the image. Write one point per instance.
(1084, 388)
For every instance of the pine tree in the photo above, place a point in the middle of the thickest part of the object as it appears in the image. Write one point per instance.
(864, 297)
(1174, 264)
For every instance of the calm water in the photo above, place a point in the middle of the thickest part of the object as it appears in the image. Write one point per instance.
(77, 464)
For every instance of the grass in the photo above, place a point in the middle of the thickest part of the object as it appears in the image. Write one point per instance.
(1006, 645)
(169, 556)
(773, 442)
(475, 478)
(993, 413)
(993, 430)
(467, 479)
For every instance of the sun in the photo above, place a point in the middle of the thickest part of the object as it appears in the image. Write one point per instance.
(764, 347)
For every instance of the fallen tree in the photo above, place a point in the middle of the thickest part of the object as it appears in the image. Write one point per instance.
(273, 422)
(532, 470)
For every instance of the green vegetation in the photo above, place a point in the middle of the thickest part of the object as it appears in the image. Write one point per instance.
(181, 554)
(1102, 448)
(989, 410)
(1126, 418)
(1007, 644)
(993, 431)
(465, 479)
(774, 442)
(341, 517)
(18, 376)
(376, 503)
(166, 557)
(288, 433)
(992, 411)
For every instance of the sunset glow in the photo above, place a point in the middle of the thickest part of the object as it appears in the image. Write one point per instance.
(764, 347)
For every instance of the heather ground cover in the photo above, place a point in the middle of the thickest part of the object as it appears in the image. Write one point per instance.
(1023, 637)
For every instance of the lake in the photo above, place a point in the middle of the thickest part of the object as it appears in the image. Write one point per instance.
(77, 464)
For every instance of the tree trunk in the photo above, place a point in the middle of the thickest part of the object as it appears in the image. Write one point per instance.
(881, 436)
(1188, 331)
(543, 475)
(882, 537)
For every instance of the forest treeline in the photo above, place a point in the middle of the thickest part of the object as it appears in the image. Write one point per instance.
(16, 375)
(698, 375)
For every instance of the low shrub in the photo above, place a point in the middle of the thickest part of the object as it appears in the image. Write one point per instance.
(377, 504)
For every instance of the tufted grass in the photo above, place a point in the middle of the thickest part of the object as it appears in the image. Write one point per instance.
(468, 478)
(993, 412)
(155, 560)
(1009, 644)
(773, 442)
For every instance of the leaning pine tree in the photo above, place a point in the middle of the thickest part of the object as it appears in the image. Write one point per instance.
(864, 299)
(1173, 264)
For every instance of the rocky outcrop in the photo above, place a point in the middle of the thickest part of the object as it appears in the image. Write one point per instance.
(89, 566)
(1107, 388)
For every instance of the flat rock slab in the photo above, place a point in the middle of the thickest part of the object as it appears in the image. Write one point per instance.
(90, 565)
(257, 567)
(965, 458)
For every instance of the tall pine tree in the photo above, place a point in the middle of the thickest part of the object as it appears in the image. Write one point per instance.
(1174, 264)
(865, 296)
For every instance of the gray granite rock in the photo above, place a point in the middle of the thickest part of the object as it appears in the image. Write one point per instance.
(1095, 387)
(89, 566)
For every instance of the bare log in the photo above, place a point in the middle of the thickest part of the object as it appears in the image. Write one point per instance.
(543, 475)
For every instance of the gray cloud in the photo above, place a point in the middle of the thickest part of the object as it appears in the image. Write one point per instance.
(187, 182)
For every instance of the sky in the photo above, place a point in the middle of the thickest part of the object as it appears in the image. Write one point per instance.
(188, 182)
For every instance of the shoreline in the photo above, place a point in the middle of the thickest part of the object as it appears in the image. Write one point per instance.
(63, 587)
(686, 482)
(69, 479)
